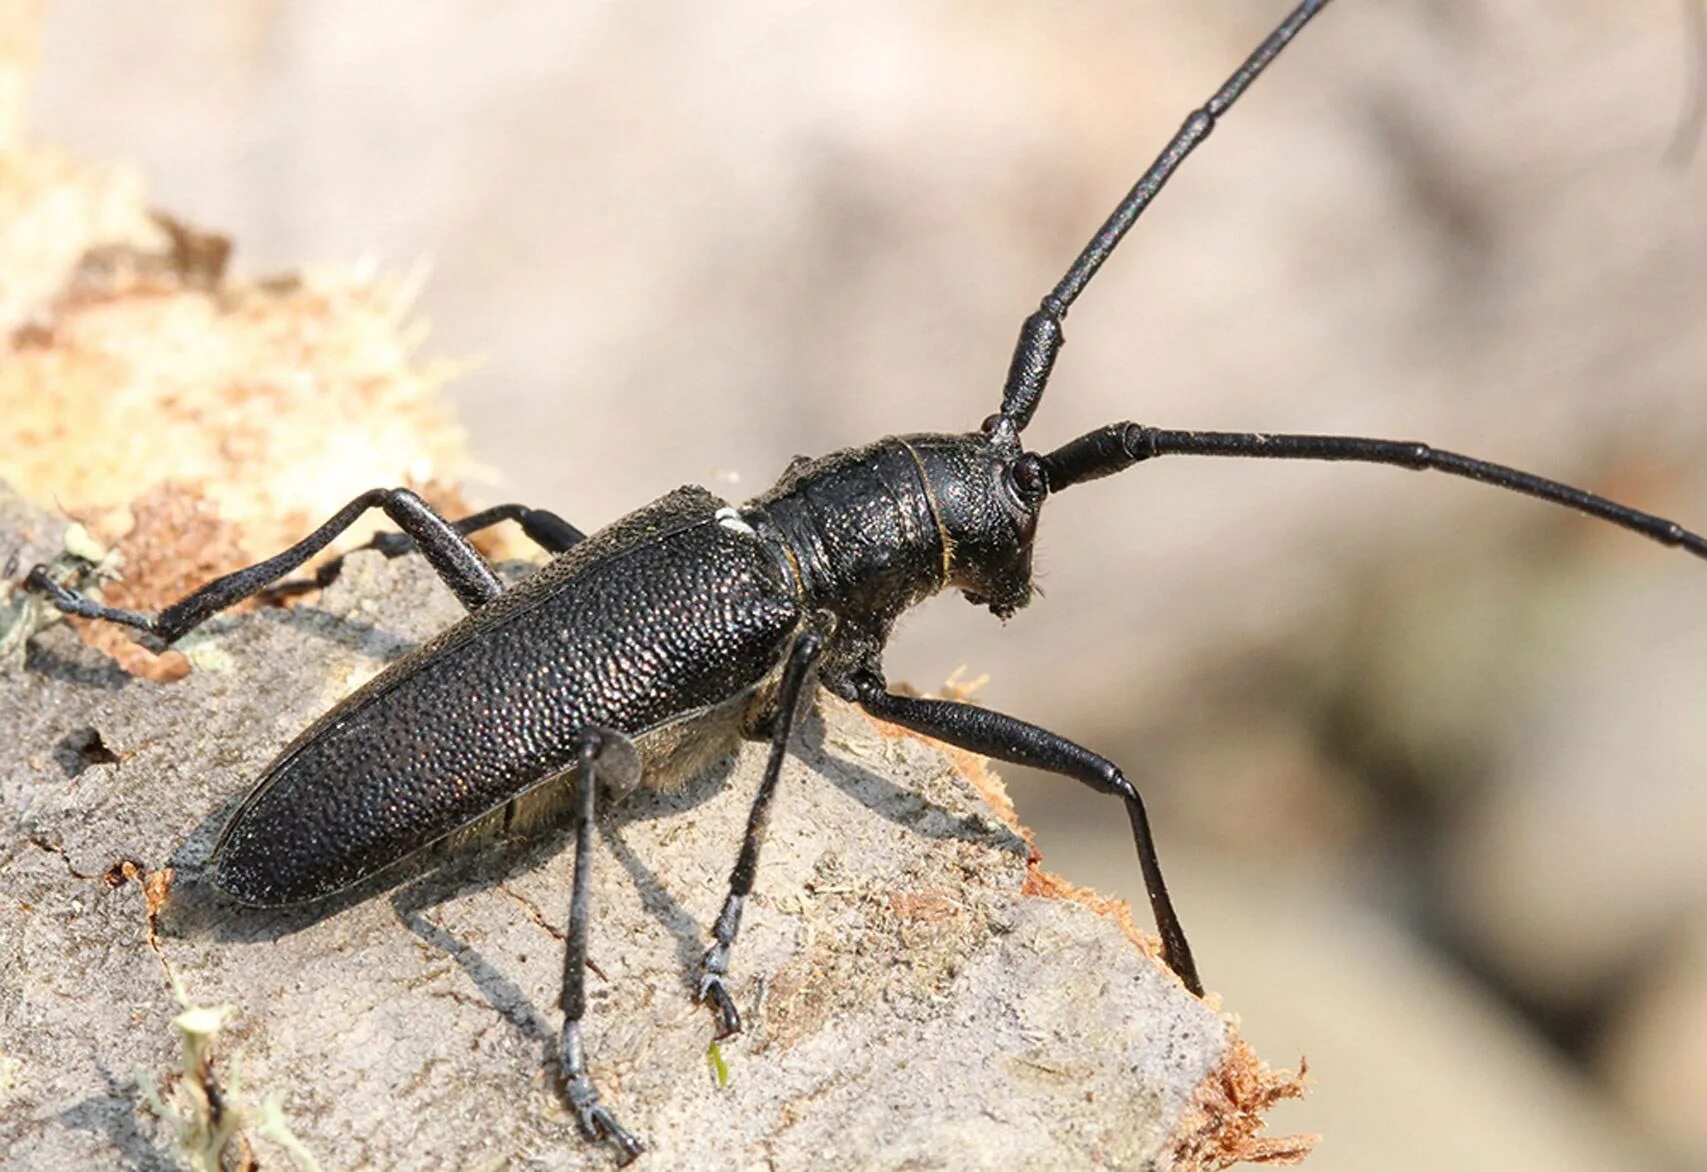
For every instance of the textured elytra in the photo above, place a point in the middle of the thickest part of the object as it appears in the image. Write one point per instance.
(664, 613)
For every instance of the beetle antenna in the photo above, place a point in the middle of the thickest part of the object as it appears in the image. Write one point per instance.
(1121, 445)
(1041, 337)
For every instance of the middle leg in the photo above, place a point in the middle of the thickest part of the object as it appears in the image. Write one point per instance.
(715, 964)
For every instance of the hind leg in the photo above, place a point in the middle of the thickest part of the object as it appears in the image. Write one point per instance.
(595, 1119)
(455, 560)
(547, 530)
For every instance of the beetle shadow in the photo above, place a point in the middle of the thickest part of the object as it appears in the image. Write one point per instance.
(62, 657)
(366, 639)
(906, 808)
(412, 904)
(374, 641)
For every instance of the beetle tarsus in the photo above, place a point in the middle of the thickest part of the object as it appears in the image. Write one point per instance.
(714, 993)
(714, 966)
(594, 1118)
(40, 581)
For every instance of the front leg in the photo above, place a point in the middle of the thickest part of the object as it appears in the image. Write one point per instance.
(1006, 738)
(715, 965)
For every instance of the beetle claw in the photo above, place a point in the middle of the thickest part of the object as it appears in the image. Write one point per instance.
(713, 993)
(596, 1121)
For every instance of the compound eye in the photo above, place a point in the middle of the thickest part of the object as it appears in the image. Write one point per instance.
(1029, 480)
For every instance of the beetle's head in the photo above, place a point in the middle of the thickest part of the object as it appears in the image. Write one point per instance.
(986, 491)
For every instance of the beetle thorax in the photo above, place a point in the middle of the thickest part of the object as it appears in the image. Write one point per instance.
(872, 531)
(860, 529)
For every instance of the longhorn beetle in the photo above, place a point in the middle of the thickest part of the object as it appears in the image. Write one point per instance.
(690, 624)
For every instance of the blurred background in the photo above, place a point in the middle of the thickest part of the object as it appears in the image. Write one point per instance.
(1425, 760)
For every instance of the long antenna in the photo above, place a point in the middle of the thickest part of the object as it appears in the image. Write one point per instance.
(1119, 446)
(1041, 337)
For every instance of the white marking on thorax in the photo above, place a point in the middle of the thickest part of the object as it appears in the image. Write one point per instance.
(731, 520)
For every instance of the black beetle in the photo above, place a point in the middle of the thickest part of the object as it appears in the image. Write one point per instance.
(645, 651)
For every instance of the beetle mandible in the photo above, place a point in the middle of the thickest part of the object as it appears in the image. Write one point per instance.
(654, 645)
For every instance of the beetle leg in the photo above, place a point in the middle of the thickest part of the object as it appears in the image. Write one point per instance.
(547, 530)
(715, 964)
(594, 1118)
(1007, 738)
(457, 562)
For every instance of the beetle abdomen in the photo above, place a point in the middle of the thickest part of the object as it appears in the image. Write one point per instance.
(633, 628)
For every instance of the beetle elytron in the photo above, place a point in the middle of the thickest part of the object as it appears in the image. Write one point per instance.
(656, 644)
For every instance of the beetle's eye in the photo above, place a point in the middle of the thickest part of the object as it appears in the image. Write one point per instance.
(1028, 479)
